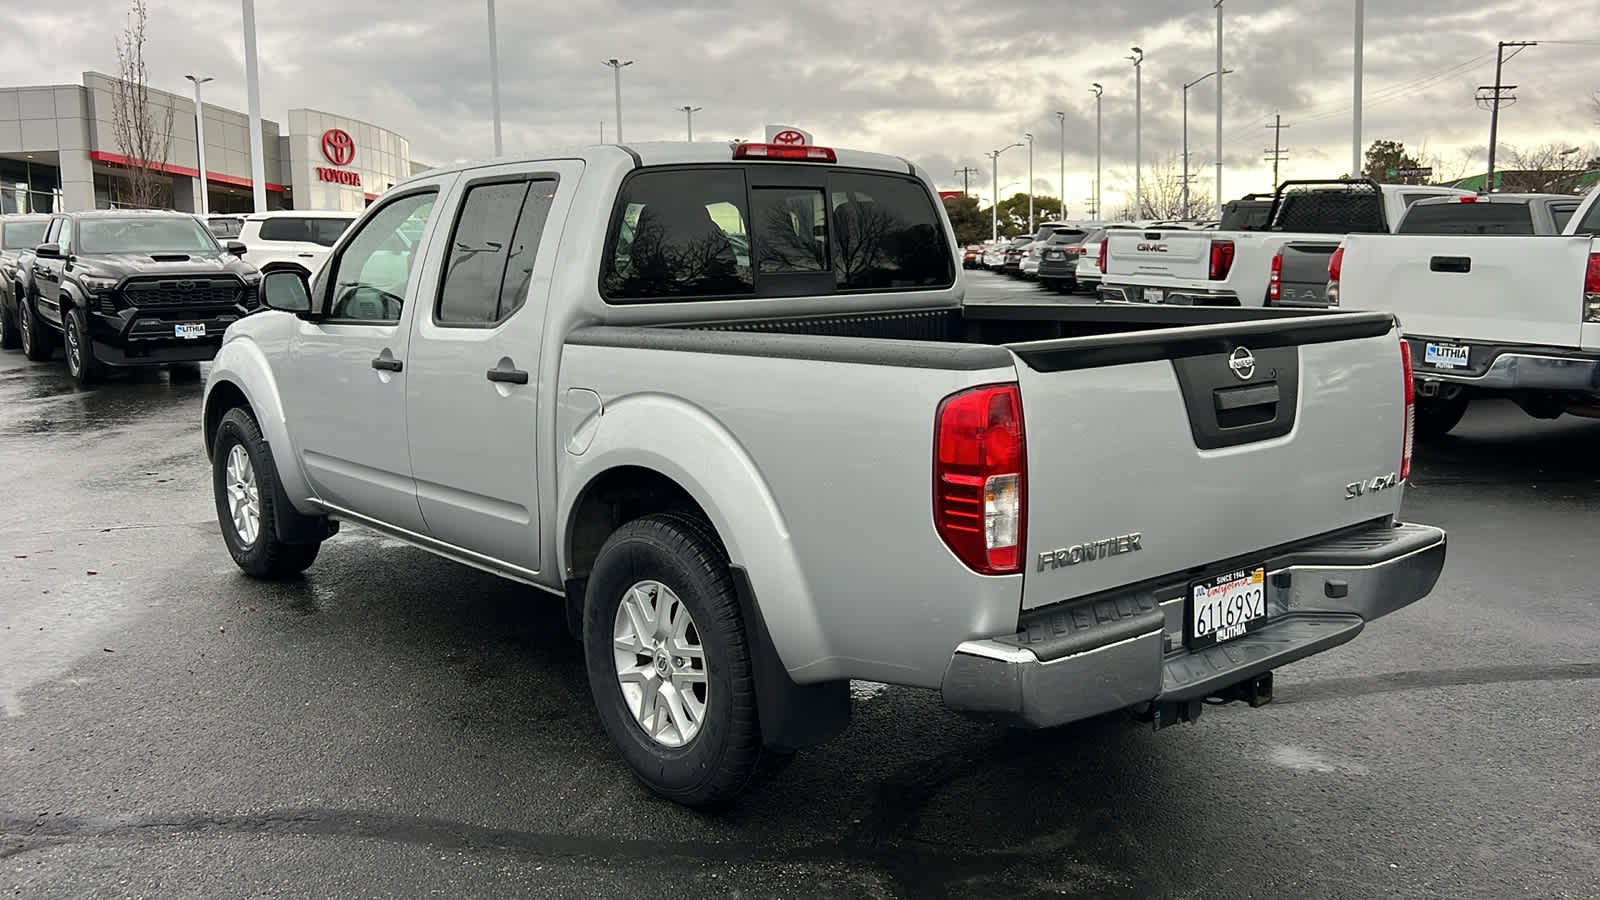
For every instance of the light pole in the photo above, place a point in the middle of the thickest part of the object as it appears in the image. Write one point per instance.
(1029, 136)
(617, 65)
(1186, 137)
(1098, 91)
(1138, 130)
(200, 142)
(494, 78)
(1061, 117)
(1355, 112)
(1218, 5)
(688, 115)
(252, 89)
(994, 196)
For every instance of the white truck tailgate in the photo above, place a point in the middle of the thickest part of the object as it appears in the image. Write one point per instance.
(1182, 255)
(1503, 290)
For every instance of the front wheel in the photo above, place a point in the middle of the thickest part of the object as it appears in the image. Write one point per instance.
(1436, 415)
(84, 367)
(244, 482)
(668, 662)
(36, 343)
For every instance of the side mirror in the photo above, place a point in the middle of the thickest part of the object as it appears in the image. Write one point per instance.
(286, 291)
(48, 251)
(236, 248)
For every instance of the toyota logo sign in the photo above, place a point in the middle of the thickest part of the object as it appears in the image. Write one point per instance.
(789, 136)
(338, 146)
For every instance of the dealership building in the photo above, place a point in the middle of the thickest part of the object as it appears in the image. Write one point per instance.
(59, 152)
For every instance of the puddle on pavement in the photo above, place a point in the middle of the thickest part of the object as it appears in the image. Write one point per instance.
(48, 403)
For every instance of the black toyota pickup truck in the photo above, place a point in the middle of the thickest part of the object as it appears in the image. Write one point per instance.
(132, 288)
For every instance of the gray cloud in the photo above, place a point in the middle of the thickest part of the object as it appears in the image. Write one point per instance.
(941, 81)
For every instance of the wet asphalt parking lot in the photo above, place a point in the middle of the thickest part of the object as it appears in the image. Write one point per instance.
(395, 725)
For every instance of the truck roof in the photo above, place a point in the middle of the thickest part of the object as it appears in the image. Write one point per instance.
(676, 153)
(1495, 198)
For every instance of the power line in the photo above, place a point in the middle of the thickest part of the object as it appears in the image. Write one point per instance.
(1498, 96)
(1379, 97)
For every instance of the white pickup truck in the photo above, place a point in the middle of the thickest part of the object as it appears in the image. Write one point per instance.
(1284, 265)
(1488, 315)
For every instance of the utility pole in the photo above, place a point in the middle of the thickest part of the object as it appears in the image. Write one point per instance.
(688, 114)
(1098, 91)
(1138, 130)
(1029, 136)
(966, 173)
(1277, 151)
(1062, 118)
(1220, 72)
(1355, 113)
(617, 65)
(1498, 94)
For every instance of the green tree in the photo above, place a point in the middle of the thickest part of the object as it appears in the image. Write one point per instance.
(1014, 213)
(1383, 156)
(971, 224)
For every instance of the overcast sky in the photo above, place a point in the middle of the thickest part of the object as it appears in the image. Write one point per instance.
(941, 81)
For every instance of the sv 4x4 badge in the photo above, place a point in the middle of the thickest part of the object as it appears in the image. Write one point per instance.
(1371, 486)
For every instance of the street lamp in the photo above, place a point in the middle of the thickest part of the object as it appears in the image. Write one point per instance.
(688, 115)
(1097, 90)
(1218, 5)
(994, 197)
(1138, 130)
(1186, 137)
(1029, 136)
(494, 78)
(200, 141)
(617, 65)
(1062, 118)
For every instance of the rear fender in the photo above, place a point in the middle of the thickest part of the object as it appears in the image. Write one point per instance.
(690, 447)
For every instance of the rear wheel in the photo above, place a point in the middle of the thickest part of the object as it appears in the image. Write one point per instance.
(1436, 416)
(668, 662)
(245, 484)
(82, 364)
(35, 336)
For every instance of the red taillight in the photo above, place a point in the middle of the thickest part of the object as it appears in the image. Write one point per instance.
(1275, 278)
(979, 478)
(785, 151)
(1102, 256)
(1335, 266)
(1591, 290)
(1221, 259)
(1411, 411)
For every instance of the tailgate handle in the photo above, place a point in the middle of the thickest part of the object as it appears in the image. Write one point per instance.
(1244, 397)
(1461, 264)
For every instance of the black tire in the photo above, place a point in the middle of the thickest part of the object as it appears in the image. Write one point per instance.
(37, 344)
(264, 555)
(10, 338)
(725, 756)
(1436, 416)
(82, 365)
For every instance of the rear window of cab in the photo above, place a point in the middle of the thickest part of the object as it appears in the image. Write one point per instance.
(770, 230)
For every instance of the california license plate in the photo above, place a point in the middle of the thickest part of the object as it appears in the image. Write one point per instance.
(196, 330)
(1154, 295)
(1226, 606)
(1447, 356)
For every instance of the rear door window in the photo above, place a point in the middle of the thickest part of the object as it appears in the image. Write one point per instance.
(1561, 214)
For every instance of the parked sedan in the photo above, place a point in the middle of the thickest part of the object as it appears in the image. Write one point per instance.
(971, 256)
(994, 254)
(1014, 253)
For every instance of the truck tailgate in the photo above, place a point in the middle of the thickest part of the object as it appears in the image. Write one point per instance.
(1181, 255)
(1152, 455)
(1504, 290)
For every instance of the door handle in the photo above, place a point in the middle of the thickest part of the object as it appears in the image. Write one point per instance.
(509, 376)
(305, 255)
(387, 364)
(1461, 264)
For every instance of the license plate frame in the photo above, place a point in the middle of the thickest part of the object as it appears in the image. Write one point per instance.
(1155, 295)
(189, 330)
(1446, 355)
(1211, 603)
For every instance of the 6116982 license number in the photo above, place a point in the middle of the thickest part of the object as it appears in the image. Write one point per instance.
(1227, 606)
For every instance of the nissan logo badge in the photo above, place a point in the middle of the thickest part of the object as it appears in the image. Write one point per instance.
(1243, 363)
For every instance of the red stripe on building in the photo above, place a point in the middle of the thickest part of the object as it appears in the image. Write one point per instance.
(117, 159)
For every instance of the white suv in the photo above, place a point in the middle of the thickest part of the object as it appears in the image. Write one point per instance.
(298, 239)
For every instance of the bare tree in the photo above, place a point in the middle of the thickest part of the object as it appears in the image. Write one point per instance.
(1449, 170)
(1162, 193)
(143, 133)
(1545, 169)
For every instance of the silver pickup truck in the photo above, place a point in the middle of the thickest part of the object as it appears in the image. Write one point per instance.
(726, 404)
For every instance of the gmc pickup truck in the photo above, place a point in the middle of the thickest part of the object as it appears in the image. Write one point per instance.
(724, 402)
(1488, 315)
(1284, 265)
